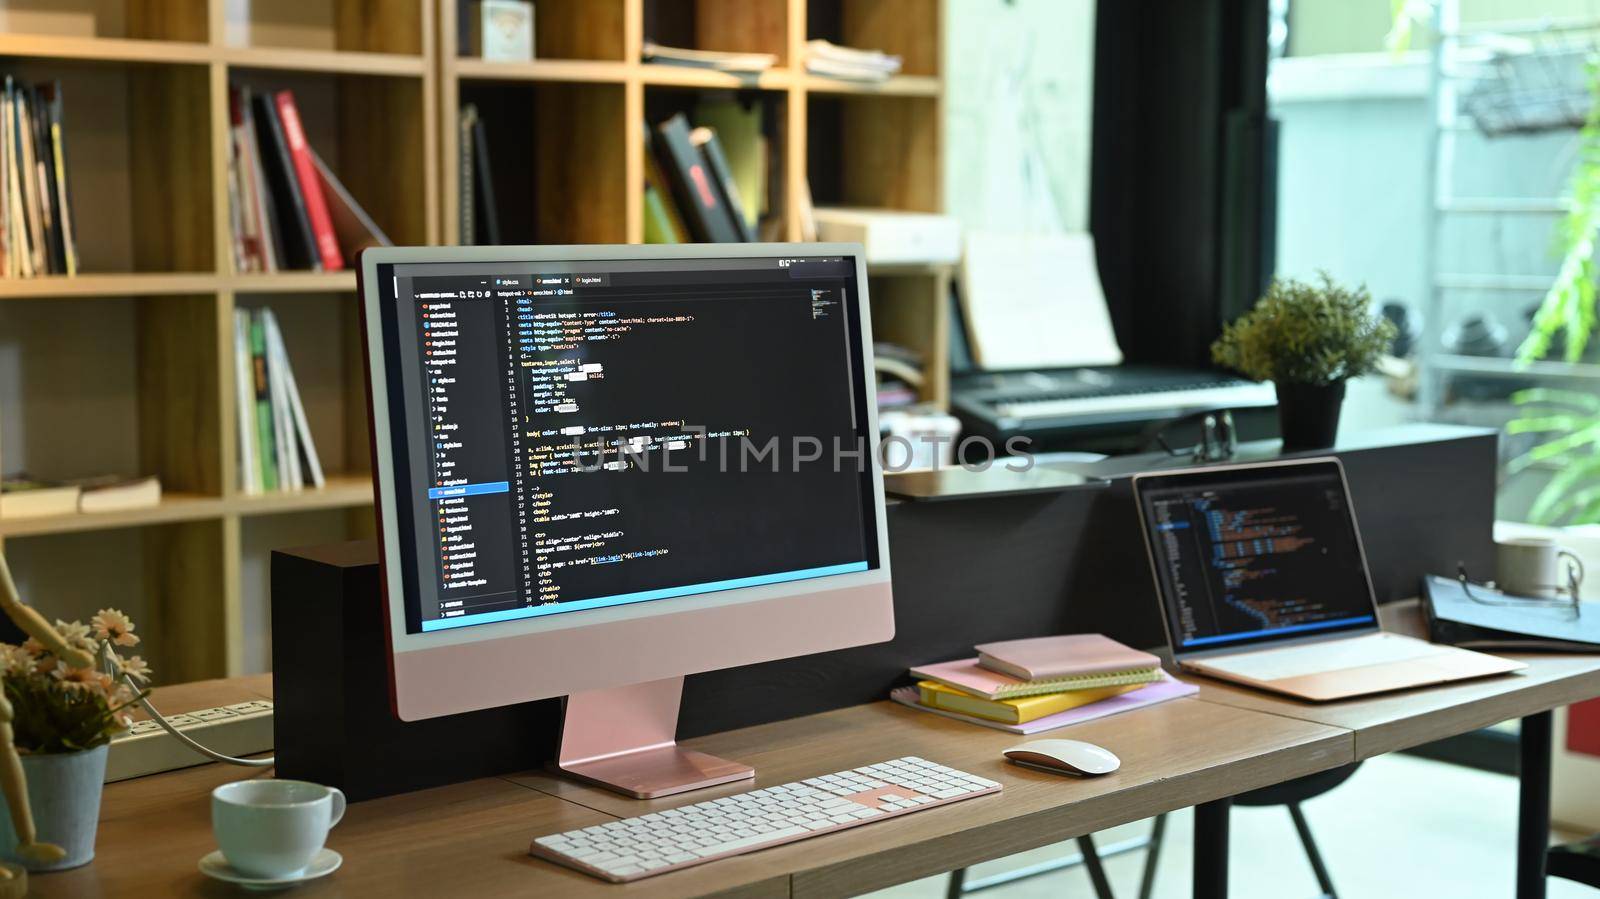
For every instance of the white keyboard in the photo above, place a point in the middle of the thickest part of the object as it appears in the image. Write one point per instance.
(664, 841)
(1233, 396)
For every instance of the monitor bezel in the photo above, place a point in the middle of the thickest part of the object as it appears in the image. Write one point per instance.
(1145, 480)
(874, 624)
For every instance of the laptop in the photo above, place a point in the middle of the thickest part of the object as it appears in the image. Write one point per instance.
(1263, 581)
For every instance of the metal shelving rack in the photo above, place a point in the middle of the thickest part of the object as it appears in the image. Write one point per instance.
(1453, 58)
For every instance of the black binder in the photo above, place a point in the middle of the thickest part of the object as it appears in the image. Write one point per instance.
(1458, 620)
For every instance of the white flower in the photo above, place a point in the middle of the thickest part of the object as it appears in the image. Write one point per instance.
(111, 624)
(135, 666)
(78, 678)
(15, 660)
(73, 631)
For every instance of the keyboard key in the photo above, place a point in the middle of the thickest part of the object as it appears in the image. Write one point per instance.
(747, 842)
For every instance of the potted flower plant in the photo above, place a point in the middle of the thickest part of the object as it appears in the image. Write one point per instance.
(1308, 339)
(63, 718)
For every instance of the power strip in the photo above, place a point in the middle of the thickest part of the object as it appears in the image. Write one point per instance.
(244, 728)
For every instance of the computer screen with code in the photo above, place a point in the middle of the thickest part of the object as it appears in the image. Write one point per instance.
(598, 433)
(1257, 554)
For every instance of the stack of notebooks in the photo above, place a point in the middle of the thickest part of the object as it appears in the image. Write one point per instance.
(36, 227)
(275, 447)
(288, 211)
(1028, 686)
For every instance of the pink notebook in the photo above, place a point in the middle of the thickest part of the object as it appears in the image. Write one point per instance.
(1065, 656)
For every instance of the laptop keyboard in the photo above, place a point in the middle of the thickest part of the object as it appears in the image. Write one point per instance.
(1320, 658)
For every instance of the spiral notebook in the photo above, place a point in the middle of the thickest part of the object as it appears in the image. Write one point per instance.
(1166, 688)
(968, 676)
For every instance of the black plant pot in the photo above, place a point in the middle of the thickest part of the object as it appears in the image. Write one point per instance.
(1308, 414)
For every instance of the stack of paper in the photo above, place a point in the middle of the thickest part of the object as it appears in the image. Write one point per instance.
(831, 60)
(708, 59)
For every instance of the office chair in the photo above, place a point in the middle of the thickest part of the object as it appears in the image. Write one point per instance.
(1290, 794)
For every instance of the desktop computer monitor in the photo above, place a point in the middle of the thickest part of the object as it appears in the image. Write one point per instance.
(602, 468)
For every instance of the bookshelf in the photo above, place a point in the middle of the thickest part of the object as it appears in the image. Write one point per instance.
(128, 367)
(856, 143)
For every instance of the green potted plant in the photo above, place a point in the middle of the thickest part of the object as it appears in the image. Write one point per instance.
(63, 718)
(1308, 339)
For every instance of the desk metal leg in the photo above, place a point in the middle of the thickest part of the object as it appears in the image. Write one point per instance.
(1533, 806)
(1211, 849)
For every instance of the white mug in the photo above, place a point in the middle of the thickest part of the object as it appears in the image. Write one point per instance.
(273, 828)
(1535, 567)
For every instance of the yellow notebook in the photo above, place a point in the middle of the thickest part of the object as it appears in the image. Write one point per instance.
(1014, 711)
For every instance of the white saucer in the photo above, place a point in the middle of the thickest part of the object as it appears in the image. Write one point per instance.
(214, 865)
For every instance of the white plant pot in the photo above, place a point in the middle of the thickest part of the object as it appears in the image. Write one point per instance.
(64, 790)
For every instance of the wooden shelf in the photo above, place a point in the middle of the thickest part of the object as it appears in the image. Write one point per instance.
(342, 492)
(104, 49)
(174, 507)
(292, 282)
(352, 62)
(898, 86)
(658, 75)
(594, 71)
(132, 284)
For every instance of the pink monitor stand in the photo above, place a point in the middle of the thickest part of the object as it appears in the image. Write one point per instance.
(625, 739)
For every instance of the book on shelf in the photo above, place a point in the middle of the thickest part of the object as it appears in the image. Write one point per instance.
(288, 201)
(698, 199)
(250, 481)
(276, 449)
(662, 221)
(739, 129)
(305, 173)
(287, 209)
(37, 232)
(659, 226)
(114, 493)
(705, 140)
(834, 61)
(466, 178)
(479, 221)
(708, 59)
(26, 497)
(487, 199)
(262, 425)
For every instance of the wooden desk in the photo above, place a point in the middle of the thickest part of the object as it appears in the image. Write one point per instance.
(1381, 724)
(472, 838)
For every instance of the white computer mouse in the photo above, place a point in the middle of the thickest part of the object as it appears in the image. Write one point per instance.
(1064, 757)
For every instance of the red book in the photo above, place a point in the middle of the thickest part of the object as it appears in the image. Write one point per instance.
(305, 171)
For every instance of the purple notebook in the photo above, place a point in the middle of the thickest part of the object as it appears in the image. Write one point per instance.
(1160, 691)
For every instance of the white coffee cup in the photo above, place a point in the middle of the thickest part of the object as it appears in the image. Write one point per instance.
(1535, 567)
(273, 828)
